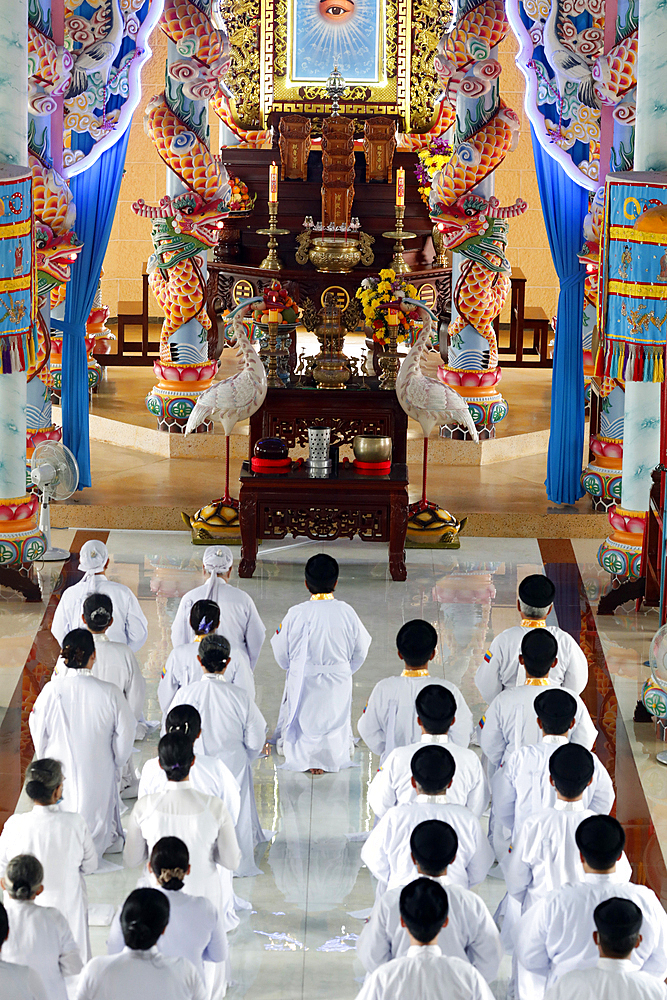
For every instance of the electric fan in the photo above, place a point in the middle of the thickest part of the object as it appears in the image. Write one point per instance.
(55, 474)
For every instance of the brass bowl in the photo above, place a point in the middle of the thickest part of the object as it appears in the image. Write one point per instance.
(372, 448)
(333, 253)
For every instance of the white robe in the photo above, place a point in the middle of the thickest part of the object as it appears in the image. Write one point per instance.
(501, 669)
(556, 936)
(116, 663)
(390, 717)
(393, 782)
(234, 730)
(470, 933)
(62, 842)
(510, 722)
(183, 668)
(88, 725)
(204, 825)
(208, 775)
(425, 973)
(521, 787)
(239, 623)
(387, 850)
(611, 979)
(195, 930)
(320, 644)
(18, 982)
(129, 622)
(39, 936)
(140, 975)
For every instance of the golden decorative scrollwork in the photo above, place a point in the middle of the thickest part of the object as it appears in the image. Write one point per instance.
(303, 240)
(242, 21)
(365, 244)
(280, 39)
(427, 18)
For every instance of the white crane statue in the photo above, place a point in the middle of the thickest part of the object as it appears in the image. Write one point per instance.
(427, 400)
(235, 398)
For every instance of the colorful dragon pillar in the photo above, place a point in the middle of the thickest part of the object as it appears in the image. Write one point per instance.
(187, 221)
(468, 219)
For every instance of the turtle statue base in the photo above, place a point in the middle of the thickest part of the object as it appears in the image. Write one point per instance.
(431, 526)
(216, 522)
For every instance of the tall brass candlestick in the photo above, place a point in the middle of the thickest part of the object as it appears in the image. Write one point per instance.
(272, 261)
(398, 235)
(273, 380)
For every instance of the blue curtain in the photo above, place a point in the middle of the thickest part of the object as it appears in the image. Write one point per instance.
(95, 193)
(564, 205)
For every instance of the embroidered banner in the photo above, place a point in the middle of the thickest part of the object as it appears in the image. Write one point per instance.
(633, 303)
(17, 269)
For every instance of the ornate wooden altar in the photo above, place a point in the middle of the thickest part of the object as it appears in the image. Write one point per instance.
(379, 147)
(294, 143)
(337, 170)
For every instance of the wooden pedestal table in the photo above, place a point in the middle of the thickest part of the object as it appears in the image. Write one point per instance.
(342, 506)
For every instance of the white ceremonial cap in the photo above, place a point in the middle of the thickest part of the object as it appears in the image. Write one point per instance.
(93, 556)
(218, 558)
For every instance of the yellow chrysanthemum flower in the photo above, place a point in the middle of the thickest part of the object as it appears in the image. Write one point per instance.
(388, 273)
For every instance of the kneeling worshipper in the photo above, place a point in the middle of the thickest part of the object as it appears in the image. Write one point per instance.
(501, 668)
(195, 930)
(183, 665)
(618, 923)
(208, 774)
(436, 712)
(140, 971)
(88, 725)
(387, 850)
(522, 786)
(239, 620)
(469, 933)
(320, 643)
(39, 936)
(556, 935)
(201, 821)
(510, 721)
(389, 719)
(17, 982)
(234, 731)
(424, 972)
(129, 624)
(62, 842)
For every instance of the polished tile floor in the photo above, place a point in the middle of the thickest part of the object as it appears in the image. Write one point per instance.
(297, 941)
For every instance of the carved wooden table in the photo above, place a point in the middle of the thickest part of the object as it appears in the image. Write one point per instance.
(342, 506)
(288, 413)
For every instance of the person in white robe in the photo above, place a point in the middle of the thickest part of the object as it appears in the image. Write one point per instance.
(140, 971)
(556, 936)
(233, 730)
(510, 721)
(501, 669)
(436, 712)
(387, 851)
(618, 923)
(202, 822)
(208, 774)
(129, 625)
(522, 787)
(195, 930)
(183, 666)
(389, 719)
(88, 725)
(17, 982)
(240, 622)
(39, 936)
(470, 932)
(320, 644)
(424, 972)
(62, 842)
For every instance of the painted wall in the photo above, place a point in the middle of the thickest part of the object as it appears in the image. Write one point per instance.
(145, 175)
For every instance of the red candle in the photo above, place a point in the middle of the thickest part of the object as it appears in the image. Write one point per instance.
(273, 183)
(400, 188)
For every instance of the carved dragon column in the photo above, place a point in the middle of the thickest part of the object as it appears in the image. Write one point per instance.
(469, 220)
(187, 221)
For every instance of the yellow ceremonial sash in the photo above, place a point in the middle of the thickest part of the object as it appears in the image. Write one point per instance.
(415, 673)
(533, 623)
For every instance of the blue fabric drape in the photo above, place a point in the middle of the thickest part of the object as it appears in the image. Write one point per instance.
(564, 205)
(95, 193)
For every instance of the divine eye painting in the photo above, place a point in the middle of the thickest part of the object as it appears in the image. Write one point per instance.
(342, 33)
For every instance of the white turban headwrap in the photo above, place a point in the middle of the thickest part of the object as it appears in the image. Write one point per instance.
(217, 559)
(92, 560)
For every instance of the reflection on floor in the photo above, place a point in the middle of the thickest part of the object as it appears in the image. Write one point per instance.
(313, 881)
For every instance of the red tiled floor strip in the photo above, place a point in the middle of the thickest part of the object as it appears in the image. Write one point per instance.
(613, 747)
(16, 749)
